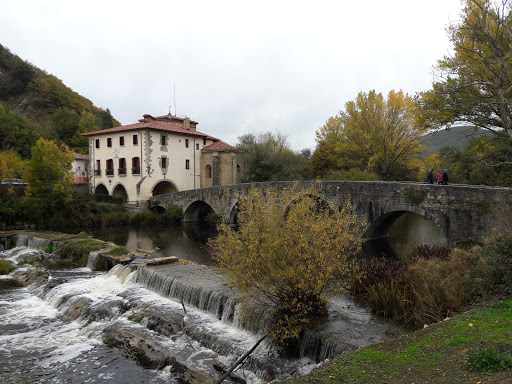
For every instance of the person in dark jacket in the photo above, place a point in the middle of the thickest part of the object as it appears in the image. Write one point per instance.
(445, 177)
(430, 176)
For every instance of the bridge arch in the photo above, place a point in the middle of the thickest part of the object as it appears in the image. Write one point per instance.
(101, 189)
(381, 227)
(198, 212)
(120, 191)
(163, 187)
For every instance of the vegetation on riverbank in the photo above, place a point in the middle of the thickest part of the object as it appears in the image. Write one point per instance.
(441, 353)
(431, 285)
(80, 211)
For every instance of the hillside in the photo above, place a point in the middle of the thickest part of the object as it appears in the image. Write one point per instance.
(36, 104)
(457, 137)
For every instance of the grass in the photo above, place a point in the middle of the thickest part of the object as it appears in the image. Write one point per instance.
(118, 251)
(77, 250)
(6, 267)
(440, 353)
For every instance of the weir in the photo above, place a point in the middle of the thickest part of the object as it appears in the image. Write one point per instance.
(349, 326)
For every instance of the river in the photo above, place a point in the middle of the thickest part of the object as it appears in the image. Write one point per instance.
(42, 342)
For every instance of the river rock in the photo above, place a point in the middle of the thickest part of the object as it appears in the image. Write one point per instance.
(138, 345)
(78, 308)
(105, 310)
(30, 275)
(189, 375)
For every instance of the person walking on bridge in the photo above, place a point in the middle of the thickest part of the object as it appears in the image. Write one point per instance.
(439, 177)
(430, 176)
(445, 177)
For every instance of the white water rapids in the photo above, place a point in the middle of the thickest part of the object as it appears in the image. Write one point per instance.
(39, 343)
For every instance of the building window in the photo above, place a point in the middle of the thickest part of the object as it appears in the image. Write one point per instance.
(110, 168)
(97, 171)
(209, 171)
(238, 169)
(122, 166)
(204, 140)
(187, 164)
(186, 143)
(97, 143)
(135, 166)
(109, 142)
(135, 139)
(164, 162)
(197, 146)
(121, 141)
(163, 140)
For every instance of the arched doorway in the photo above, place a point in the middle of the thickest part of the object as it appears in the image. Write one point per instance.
(120, 192)
(101, 190)
(164, 187)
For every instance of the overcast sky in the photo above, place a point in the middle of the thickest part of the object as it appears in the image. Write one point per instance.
(236, 66)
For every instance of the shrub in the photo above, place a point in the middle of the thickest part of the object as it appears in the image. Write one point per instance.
(498, 256)
(489, 360)
(288, 252)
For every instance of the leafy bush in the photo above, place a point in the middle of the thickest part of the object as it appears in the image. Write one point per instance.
(288, 252)
(489, 360)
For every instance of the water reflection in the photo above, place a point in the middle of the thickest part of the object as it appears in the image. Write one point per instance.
(187, 242)
(408, 231)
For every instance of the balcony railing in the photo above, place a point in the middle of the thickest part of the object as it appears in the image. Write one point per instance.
(97, 172)
(135, 171)
(121, 171)
(109, 172)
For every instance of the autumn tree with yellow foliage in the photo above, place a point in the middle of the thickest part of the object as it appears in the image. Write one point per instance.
(374, 134)
(474, 84)
(290, 250)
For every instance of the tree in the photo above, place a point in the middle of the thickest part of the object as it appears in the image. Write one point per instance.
(87, 123)
(11, 164)
(372, 134)
(290, 251)
(268, 157)
(485, 161)
(474, 84)
(65, 124)
(49, 173)
(17, 132)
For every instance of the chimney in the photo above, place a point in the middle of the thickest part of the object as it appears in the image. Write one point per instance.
(186, 123)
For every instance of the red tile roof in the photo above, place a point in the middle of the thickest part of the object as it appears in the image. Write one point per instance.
(81, 157)
(219, 146)
(169, 126)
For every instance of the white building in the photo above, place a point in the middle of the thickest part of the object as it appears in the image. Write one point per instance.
(155, 156)
(80, 169)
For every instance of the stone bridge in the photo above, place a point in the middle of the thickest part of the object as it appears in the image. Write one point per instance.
(462, 212)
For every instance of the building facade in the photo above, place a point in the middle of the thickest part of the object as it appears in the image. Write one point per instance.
(80, 169)
(155, 156)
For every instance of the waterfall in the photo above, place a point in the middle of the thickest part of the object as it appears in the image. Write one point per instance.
(216, 303)
(91, 259)
(33, 242)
